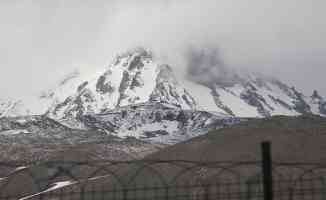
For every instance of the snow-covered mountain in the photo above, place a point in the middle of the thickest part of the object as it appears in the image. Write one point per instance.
(252, 95)
(136, 95)
(158, 122)
(9, 107)
(134, 77)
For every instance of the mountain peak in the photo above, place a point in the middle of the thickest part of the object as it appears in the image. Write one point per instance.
(136, 52)
(135, 76)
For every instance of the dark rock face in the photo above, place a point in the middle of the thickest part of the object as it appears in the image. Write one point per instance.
(31, 124)
(189, 99)
(63, 104)
(136, 63)
(166, 90)
(82, 86)
(151, 119)
(220, 104)
(125, 82)
(104, 86)
(151, 134)
(279, 101)
(301, 105)
(137, 81)
(254, 99)
(286, 89)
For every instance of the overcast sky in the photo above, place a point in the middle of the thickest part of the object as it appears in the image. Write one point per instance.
(41, 40)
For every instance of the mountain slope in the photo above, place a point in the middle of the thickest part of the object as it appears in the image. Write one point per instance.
(138, 96)
(132, 78)
(156, 122)
(9, 107)
(137, 77)
(292, 138)
(31, 138)
(252, 95)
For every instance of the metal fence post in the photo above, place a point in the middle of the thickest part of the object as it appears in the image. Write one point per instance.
(124, 194)
(248, 192)
(267, 170)
(82, 193)
(166, 193)
(206, 188)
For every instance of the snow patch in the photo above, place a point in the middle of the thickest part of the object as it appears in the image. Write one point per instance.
(14, 132)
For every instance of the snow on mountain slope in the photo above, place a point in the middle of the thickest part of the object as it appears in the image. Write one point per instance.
(156, 122)
(203, 96)
(137, 77)
(132, 78)
(136, 96)
(228, 100)
(253, 96)
(12, 108)
(30, 124)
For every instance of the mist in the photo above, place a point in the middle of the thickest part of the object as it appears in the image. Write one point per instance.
(43, 40)
(205, 66)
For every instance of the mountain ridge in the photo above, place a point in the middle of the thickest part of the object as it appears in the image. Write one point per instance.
(140, 78)
(137, 83)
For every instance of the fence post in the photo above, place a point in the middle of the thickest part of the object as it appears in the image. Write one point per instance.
(248, 192)
(124, 194)
(267, 170)
(166, 192)
(206, 197)
(82, 193)
(61, 194)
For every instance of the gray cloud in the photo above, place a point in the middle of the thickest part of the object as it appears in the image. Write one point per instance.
(205, 66)
(42, 40)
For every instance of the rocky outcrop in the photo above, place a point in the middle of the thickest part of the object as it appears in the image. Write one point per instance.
(156, 122)
(133, 78)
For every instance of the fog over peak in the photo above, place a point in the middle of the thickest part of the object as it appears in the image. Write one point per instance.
(205, 66)
(42, 40)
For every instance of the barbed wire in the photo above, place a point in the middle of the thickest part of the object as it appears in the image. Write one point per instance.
(23, 179)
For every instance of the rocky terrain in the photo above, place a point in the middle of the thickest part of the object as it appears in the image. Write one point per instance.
(137, 96)
(156, 122)
(136, 109)
(34, 138)
(292, 138)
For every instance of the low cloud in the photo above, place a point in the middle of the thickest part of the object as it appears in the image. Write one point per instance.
(206, 66)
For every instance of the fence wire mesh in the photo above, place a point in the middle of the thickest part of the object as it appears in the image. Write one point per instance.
(166, 180)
